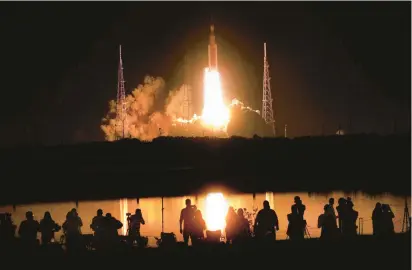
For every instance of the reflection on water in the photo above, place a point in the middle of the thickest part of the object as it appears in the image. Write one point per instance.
(152, 210)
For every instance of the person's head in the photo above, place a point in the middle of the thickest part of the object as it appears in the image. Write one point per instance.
(108, 215)
(385, 207)
(341, 201)
(266, 205)
(29, 215)
(378, 205)
(349, 204)
(100, 212)
(240, 212)
(47, 215)
(188, 202)
(326, 208)
(74, 210)
(297, 200)
(138, 212)
(331, 201)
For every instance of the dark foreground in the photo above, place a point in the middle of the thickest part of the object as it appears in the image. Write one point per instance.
(180, 166)
(364, 252)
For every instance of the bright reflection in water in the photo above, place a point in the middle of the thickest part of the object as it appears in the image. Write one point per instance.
(213, 207)
(216, 209)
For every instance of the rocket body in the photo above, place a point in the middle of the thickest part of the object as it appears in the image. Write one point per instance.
(212, 50)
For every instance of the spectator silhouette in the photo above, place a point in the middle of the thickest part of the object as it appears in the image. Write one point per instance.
(98, 227)
(342, 212)
(266, 223)
(327, 223)
(296, 226)
(377, 219)
(47, 228)
(242, 227)
(112, 225)
(135, 221)
(199, 227)
(349, 220)
(187, 220)
(7, 229)
(331, 209)
(230, 224)
(296, 220)
(387, 220)
(72, 230)
(28, 230)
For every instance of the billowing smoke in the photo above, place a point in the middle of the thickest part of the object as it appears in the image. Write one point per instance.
(143, 122)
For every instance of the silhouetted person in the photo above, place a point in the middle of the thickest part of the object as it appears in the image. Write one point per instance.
(135, 221)
(327, 224)
(111, 227)
(28, 230)
(230, 224)
(299, 207)
(266, 223)
(7, 229)
(349, 220)
(342, 212)
(242, 227)
(296, 225)
(47, 228)
(387, 220)
(331, 208)
(98, 226)
(377, 219)
(199, 227)
(186, 219)
(296, 220)
(72, 230)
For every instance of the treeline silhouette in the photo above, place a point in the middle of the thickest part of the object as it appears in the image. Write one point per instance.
(171, 166)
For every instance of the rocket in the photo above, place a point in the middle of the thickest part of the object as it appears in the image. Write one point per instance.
(212, 49)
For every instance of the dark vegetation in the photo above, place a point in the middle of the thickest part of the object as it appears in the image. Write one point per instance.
(179, 166)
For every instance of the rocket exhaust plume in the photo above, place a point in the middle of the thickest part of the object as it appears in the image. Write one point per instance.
(215, 113)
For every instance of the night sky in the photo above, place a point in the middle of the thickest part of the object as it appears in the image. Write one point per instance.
(344, 63)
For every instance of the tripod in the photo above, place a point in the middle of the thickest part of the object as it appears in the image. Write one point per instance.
(307, 232)
(406, 223)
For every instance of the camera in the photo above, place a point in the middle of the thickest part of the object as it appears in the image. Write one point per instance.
(128, 214)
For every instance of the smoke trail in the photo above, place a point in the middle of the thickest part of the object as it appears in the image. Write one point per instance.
(143, 122)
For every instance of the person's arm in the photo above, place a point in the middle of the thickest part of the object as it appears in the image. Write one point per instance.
(142, 221)
(320, 221)
(181, 221)
(276, 221)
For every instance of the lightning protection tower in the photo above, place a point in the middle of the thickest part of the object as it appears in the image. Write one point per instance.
(267, 111)
(121, 101)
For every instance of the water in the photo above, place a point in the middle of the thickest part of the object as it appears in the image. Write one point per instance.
(152, 210)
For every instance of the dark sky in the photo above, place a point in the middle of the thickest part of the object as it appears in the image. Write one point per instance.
(330, 62)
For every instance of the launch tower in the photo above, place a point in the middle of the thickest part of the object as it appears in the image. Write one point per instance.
(267, 111)
(121, 121)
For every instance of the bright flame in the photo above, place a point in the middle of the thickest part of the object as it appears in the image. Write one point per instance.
(216, 210)
(215, 114)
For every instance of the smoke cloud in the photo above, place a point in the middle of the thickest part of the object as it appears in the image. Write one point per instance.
(142, 121)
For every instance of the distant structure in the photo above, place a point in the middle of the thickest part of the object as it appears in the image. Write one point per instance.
(121, 121)
(267, 110)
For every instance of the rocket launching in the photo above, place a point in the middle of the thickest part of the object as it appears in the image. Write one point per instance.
(212, 49)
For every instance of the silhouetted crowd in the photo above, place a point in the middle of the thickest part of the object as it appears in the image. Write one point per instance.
(239, 228)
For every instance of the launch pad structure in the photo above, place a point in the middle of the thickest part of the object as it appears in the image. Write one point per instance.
(121, 101)
(267, 109)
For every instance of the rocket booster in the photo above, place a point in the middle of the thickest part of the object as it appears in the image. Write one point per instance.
(212, 49)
